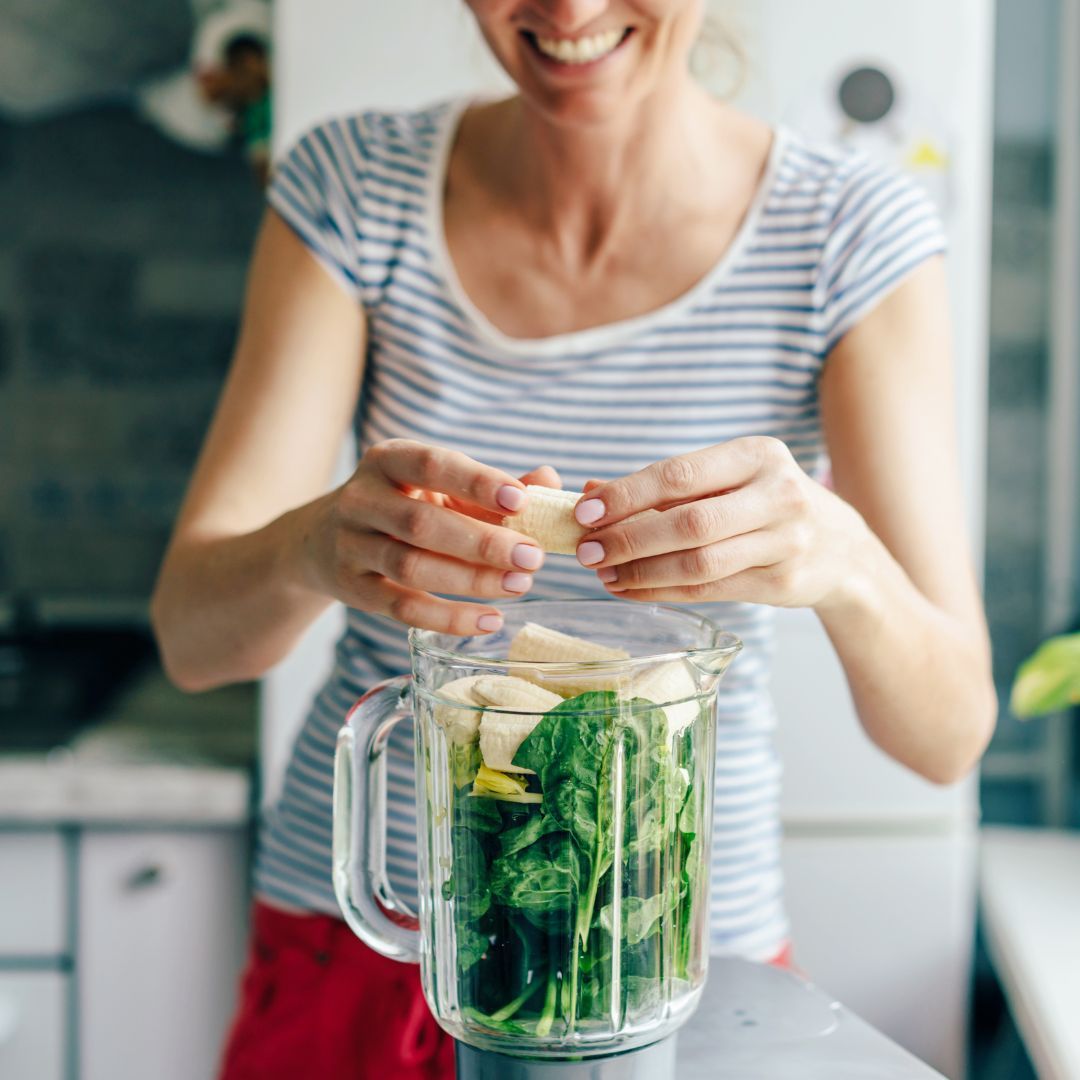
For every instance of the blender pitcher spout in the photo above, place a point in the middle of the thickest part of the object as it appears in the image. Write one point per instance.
(712, 661)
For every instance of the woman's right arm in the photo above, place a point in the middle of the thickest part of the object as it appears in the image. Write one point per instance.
(260, 548)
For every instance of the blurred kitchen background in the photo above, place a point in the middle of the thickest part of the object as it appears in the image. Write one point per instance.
(127, 213)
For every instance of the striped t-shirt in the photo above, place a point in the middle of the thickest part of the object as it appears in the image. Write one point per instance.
(828, 235)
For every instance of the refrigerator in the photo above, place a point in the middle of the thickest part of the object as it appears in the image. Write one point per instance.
(879, 863)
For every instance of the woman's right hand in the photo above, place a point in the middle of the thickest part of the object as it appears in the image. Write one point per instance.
(388, 538)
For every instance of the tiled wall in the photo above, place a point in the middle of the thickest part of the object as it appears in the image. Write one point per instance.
(1020, 292)
(122, 259)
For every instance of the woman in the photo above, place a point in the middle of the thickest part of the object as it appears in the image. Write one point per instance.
(612, 274)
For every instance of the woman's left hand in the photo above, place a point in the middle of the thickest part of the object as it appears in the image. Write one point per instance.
(739, 521)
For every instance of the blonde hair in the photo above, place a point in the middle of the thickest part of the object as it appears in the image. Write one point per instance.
(719, 51)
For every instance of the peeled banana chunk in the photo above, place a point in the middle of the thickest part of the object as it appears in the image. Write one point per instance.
(548, 517)
(462, 725)
(501, 733)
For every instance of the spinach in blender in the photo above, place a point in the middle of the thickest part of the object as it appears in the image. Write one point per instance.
(533, 885)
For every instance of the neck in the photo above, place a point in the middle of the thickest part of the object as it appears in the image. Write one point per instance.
(582, 186)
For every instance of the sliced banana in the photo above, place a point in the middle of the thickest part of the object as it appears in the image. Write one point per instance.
(461, 725)
(501, 733)
(535, 642)
(669, 682)
(548, 517)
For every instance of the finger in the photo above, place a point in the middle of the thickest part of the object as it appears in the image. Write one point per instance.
(747, 587)
(677, 479)
(590, 484)
(545, 476)
(697, 566)
(419, 569)
(682, 528)
(440, 529)
(410, 464)
(415, 608)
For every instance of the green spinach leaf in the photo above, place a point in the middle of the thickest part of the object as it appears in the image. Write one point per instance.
(541, 881)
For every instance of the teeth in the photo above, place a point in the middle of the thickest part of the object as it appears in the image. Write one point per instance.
(580, 50)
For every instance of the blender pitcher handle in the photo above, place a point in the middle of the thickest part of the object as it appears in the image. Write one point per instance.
(360, 882)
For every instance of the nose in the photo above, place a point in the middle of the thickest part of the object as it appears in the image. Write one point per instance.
(568, 17)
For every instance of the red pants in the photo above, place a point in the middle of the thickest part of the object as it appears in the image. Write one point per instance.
(318, 1004)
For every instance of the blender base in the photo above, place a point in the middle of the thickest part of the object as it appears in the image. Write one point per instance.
(656, 1062)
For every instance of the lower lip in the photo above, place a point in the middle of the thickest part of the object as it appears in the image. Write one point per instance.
(560, 67)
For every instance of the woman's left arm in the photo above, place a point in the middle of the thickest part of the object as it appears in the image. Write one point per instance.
(884, 560)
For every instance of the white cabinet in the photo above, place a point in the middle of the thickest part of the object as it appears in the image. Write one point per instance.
(32, 1025)
(160, 941)
(33, 894)
(886, 924)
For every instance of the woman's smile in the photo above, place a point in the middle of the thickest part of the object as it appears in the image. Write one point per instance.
(581, 54)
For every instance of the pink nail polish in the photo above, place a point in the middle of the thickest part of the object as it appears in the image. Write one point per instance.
(489, 623)
(607, 574)
(510, 498)
(517, 583)
(589, 510)
(590, 553)
(527, 557)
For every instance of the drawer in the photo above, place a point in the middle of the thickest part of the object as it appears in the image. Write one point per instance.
(33, 1040)
(33, 899)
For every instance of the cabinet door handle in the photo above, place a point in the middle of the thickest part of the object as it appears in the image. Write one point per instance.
(144, 877)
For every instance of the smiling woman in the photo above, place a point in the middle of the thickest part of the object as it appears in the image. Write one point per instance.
(608, 275)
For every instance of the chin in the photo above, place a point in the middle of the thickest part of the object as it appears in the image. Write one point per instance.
(577, 95)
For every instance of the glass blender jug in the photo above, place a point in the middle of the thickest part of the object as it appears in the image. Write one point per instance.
(564, 812)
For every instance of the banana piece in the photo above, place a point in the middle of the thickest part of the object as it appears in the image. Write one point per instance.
(658, 684)
(501, 733)
(461, 725)
(670, 682)
(535, 642)
(548, 517)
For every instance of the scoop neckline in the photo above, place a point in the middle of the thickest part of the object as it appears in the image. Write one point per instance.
(592, 337)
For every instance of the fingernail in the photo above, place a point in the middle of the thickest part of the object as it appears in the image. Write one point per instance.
(590, 553)
(589, 510)
(527, 557)
(518, 583)
(607, 574)
(489, 623)
(510, 498)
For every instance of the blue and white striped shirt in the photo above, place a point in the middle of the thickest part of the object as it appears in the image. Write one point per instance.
(828, 235)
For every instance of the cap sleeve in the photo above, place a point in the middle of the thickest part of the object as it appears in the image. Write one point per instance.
(316, 188)
(884, 226)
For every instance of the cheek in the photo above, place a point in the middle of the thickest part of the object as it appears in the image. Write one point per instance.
(674, 23)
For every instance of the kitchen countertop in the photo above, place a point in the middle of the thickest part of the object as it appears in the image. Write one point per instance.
(159, 757)
(760, 1023)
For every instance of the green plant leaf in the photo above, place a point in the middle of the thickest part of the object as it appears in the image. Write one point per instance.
(480, 815)
(540, 880)
(465, 760)
(521, 836)
(468, 886)
(1048, 681)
